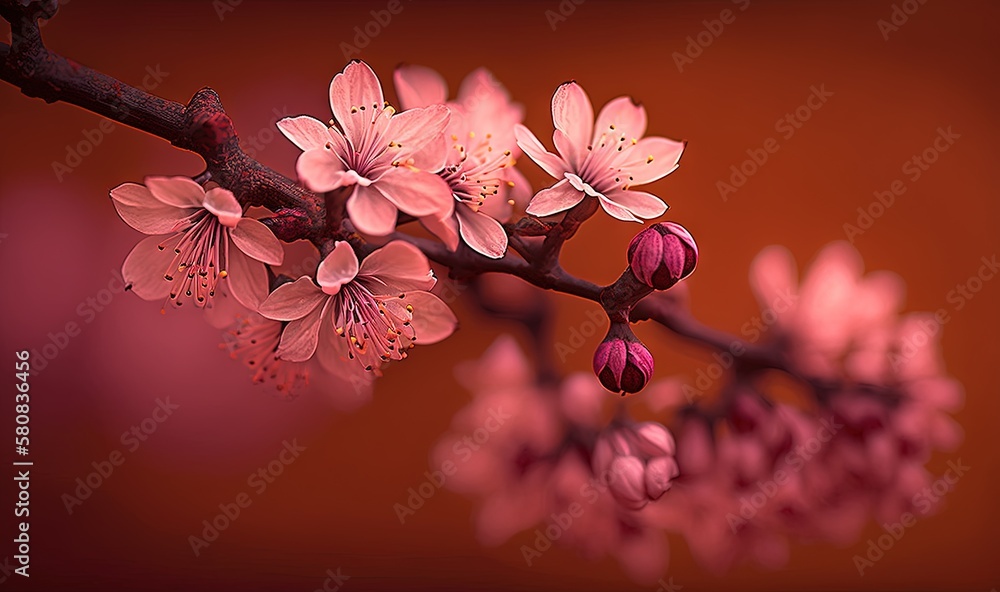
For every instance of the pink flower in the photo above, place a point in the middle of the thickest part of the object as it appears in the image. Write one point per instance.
(200, 238)
(479, 164)
(388, 158)
(604, 161)
(371, 313)
(253, 340)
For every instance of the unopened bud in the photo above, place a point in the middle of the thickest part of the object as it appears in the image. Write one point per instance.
(622, 362)
(662, 255)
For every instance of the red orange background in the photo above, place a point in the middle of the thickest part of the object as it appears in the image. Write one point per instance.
(60, 242)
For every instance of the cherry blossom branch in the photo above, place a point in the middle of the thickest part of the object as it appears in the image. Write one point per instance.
(203, 127)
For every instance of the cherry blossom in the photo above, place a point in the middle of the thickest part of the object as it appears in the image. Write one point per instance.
(199, 238)
(387, 158)
(603, 160)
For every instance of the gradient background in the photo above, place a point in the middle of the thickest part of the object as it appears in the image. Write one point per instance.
(60, 242)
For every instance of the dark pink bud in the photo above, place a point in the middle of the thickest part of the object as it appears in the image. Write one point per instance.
(662, 255)
(622, 362)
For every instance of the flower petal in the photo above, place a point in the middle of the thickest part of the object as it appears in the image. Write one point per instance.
(641, 204)
(144, 267)
(321, 170)
(550, 163)
(573, 114)
(619, 117)
(338, 268)
(397, 267)
(414, 132)
(305, 132)
(433, 320)
(224, 206)
(653, 158)
(371, 212)
(354, 88)
(443, 227)
(484, 234)
(616, 210)
(293, 300)
(419, 86)
(561, 196)
(180, 192)
(257, 241)
(247, 279)
(417, 193)
(301, 336)
(143, 212)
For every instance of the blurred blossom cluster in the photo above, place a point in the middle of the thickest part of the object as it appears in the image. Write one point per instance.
(752, 469)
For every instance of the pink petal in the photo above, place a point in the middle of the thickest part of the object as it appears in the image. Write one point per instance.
(432, 321)
(321, 170)
(418, 131)
(417, 193)
(179, 192)
(355, 87)
(572, 153)
(300, 337)
(223, 204)
(617, 211)
(331, 352)
(419, 86)
(338, 268)
(371, 212)
(484, 234)
(559, 197)
(257, 241)
(443, 227)
(665, 156)
(641, 204)
(397, 267)
(293, 300)
(247, 279)
(549, 162)
(773, 277)
(143, 212)
(305, 132)
(625, 116)
(573, 114)
(145, 265)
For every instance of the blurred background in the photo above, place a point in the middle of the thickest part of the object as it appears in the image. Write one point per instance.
(894, 75)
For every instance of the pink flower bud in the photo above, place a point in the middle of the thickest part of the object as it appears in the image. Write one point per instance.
(622, 362)
(662, 255)
(660, 473)
(652, 439)
(628, 482)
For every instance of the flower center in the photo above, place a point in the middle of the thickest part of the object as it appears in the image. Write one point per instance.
(201, 256)
(377, 328)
